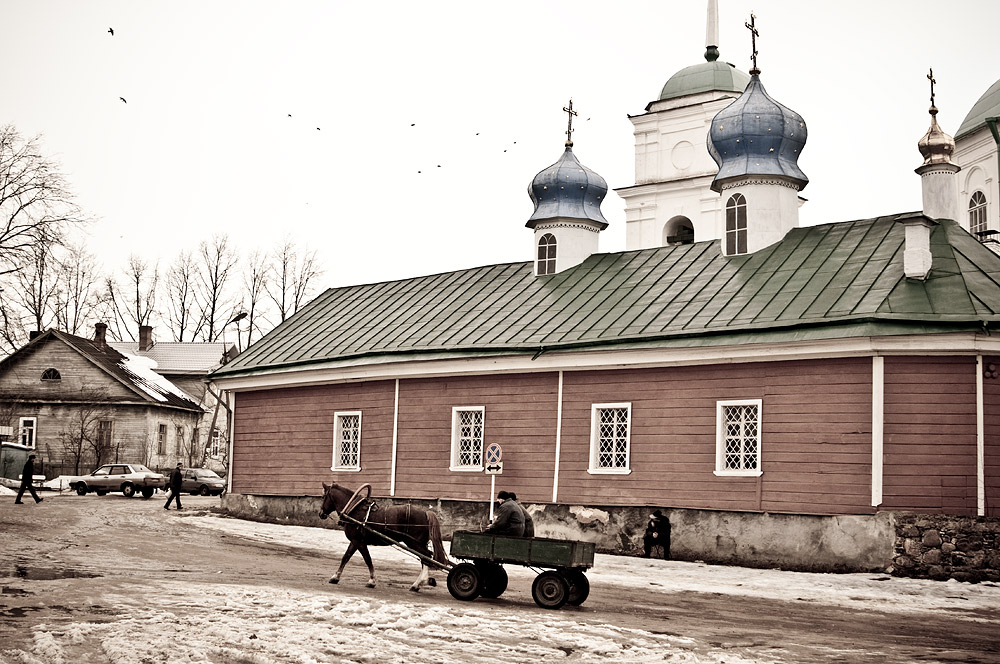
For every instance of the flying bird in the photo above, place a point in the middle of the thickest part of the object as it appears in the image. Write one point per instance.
(414, 124)
(123, 100)
(289, 115)
(112, 31)
(317, 128)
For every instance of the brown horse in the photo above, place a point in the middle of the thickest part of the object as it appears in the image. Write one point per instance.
(411, 526)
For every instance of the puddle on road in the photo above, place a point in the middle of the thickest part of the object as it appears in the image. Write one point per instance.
(34, 573)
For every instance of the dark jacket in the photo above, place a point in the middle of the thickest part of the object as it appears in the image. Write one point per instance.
(529, 523)
(509, 520)
(658, 530)
(176, 479)
(28, 472)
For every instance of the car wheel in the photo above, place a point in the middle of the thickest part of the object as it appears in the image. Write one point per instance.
(81, 489)
(147, 492)
(128, 489)
(203, 491)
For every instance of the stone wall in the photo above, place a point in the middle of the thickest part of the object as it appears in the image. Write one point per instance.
(947, 547)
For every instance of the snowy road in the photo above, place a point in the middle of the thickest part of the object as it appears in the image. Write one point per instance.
(107, 579)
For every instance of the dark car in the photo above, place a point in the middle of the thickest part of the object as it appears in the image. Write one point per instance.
(202, 481)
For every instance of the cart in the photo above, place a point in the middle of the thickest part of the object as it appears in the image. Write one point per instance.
(564, 561)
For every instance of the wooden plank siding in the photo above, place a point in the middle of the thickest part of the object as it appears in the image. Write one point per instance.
(285, 438)
(930, 434)
(991, 431)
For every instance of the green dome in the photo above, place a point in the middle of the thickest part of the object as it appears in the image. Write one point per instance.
(705, 77)
(988, 106)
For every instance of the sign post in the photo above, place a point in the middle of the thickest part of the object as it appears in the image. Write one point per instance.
(493, 467)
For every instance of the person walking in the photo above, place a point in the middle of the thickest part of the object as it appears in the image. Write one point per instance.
(175, 487)
(27, 477)
(657, 534)
(509, 519)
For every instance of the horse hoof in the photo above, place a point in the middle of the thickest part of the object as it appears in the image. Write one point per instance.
(431, 582)
(370, 584)
(414, 589)
(334, 580)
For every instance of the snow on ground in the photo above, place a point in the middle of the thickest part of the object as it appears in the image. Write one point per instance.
(244, 624)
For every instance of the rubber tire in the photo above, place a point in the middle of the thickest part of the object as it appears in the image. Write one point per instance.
(81, 489)
(494, 579)
(147, 492)
(550, 590)
(579, 586)
(464, 582)
(203, 490)
(128, 489)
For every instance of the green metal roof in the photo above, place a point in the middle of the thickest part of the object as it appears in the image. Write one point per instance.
(988, 106)
(831, 281)
(705, 77)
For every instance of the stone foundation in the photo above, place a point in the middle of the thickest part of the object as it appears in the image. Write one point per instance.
(947, 547)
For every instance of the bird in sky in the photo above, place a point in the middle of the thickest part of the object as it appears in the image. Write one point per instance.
(112, 31)
(123, 100)
(289, 115)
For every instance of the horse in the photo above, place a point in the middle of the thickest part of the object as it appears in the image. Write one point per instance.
(411, 526)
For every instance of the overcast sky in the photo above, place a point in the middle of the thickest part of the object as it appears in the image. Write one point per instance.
(398, 138)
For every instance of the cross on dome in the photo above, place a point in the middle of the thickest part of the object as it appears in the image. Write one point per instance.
(569, 126)
(930, 77)
(752, 27)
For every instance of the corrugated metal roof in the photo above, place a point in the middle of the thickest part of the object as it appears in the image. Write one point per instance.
(178, 357)
(840, 275)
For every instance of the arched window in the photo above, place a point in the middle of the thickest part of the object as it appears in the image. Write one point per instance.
(977, 214)
(51, 374)
(736, 225)
(547, 254)
(678, 230)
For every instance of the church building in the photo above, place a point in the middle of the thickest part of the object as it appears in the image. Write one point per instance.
(786, 395)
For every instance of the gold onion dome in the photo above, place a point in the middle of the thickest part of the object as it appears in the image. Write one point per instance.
(936, 147)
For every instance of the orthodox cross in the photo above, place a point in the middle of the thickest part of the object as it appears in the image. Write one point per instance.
(930, 77)
(752, 27)
(569, 127)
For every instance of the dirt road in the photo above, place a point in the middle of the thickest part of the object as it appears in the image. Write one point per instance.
(110, 579)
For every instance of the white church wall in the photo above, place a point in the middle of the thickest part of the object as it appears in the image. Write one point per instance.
(772, 211)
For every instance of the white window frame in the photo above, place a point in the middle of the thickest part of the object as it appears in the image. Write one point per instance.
(720, 439)
(456, 439)
(595, 430)
(215, 442)
(338, 430)
(26, 426)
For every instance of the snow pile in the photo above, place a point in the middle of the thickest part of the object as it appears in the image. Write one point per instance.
(148, 380)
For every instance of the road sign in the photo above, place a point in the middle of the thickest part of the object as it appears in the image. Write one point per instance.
(494, 468)
(493, 454)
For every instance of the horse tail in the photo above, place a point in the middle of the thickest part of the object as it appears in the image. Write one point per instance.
(434, 526)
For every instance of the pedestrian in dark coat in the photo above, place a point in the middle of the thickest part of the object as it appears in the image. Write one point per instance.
(176, 478)
(27, 476)
(529, 523)
(657, 534)
(509, 519)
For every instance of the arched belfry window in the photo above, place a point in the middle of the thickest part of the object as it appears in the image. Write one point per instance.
(678, 230)
(977, 214)
(736, 225)
(51, 374)
(546, 254)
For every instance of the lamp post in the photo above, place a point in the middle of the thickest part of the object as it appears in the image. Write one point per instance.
(236, 319)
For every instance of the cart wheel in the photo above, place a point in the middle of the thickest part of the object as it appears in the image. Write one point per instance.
(494, 579)
(550, 590)
(464, 582)
(579, 586)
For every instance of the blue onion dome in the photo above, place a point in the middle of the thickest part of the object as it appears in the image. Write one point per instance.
(568, 189)
(756, 135)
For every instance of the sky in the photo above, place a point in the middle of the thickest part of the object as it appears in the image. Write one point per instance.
(242, 622)
(398, 138)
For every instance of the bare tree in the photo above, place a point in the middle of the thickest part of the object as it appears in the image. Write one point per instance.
(255, 281)
(77, 297)
(36, 286)
(134, 302)
(36, 207)
(293, 277)
(83, 433)
(182, 307)
(217, 261)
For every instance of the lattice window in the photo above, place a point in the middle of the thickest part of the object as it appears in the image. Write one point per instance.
(977, 214)
(610, 434)
(738, 430)
(547, 254)
(467, 438)
(736, 225)
(347, 441)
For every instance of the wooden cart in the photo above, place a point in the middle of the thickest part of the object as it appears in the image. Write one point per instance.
(564, 562)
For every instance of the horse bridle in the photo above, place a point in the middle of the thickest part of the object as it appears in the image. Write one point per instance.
(352, 502)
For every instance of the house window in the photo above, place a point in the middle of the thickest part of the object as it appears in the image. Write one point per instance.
(609, 438)
(104, 435)
(547, 254)
(737, 449)
(736, 225)
(347, 441)
(216, 442)
(179, 435)
(27, 428)
(161, 439)
(51, 374)
(977, 214)
(467, 438)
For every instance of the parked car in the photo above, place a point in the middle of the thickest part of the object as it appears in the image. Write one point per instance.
(129, 478)
(202, 481)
